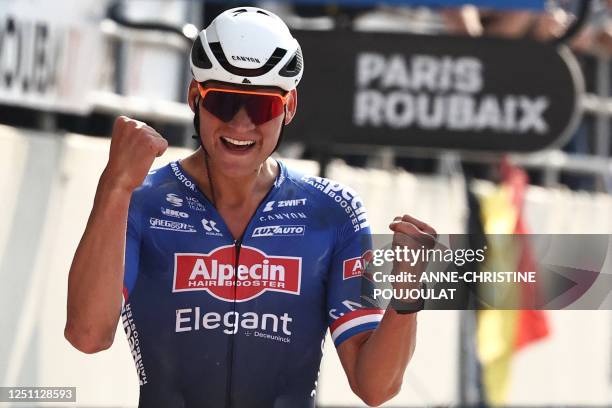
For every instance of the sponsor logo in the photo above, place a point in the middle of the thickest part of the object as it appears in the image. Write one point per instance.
(270, 205)
(280, 180)
(168, 225)
(283, 216)
(194, 204)
(267, 336)
(267, 325)
(354, 267)
(133, 340)
(174, 213)
(249, 59)
(279, 231)
(182, 177)
(210, 228)
(343, 308)
(175, 200)
(218, 274)
(346, 198)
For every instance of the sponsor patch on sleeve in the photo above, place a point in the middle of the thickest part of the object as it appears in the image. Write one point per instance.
(354, 267)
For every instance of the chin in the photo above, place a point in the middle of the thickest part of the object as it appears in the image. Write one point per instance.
(238, 166)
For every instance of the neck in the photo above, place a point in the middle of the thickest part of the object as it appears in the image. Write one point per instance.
(226, 190)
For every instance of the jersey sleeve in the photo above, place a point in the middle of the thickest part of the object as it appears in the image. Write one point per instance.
(348, 312)
(132, 249)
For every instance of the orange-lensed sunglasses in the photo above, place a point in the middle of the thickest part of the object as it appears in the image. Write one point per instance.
(261, 106)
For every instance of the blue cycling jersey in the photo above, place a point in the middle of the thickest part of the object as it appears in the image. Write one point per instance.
(217, 322)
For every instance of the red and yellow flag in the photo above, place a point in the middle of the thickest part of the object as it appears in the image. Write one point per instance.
(501, 333)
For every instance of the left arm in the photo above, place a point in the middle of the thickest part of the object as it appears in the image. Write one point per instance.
(375, 361)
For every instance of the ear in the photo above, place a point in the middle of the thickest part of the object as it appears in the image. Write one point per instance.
(291, 106)
(192, 93)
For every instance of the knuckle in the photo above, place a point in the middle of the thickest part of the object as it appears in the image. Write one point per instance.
(119, 123)
(410, 228)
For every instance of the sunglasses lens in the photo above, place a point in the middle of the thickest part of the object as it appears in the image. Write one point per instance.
(223, 105)
(260, 108)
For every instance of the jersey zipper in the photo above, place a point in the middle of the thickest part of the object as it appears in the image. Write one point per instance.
(230, 349)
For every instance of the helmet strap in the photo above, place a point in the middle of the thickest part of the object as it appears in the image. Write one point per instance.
(196, 121)
(196, 125)
(280, 136)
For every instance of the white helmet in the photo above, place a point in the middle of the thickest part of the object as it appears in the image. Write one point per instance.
(247, 46)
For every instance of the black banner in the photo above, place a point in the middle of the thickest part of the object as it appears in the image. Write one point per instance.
(443, 92)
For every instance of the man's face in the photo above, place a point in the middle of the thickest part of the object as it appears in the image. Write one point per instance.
(238, 147)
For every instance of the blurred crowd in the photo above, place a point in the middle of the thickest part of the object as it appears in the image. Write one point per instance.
(595, 37)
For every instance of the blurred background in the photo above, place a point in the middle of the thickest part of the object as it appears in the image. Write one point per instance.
(492, 116)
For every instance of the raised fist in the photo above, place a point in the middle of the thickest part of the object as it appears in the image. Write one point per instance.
(411, 234)
(134, 146)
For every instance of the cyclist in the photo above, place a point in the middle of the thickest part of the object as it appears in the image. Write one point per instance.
(227, 267)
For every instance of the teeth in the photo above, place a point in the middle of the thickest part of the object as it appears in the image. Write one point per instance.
(238, 142)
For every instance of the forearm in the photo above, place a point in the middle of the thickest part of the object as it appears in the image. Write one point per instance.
(96, 276)
(384, 356)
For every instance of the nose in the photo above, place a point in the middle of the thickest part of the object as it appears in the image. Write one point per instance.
(241, 122)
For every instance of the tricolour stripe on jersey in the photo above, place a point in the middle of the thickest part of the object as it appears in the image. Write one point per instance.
(355, 322)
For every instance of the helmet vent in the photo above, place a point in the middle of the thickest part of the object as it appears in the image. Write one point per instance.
(294, 66)
(239, 12)
(198, 56)
(263, 12)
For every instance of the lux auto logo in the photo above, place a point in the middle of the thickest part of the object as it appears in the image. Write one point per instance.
(279, 231)
(218, 274)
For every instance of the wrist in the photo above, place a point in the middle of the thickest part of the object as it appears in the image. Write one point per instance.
(111, 184)
(111, 194)
(409, 305)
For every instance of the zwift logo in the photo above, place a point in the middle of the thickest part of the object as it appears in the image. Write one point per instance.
(271, 205)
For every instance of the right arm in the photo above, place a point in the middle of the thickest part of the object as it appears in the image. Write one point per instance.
(95, 280)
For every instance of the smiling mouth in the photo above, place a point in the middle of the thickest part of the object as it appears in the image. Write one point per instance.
(235, 144)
